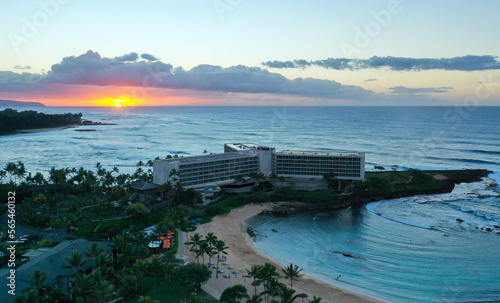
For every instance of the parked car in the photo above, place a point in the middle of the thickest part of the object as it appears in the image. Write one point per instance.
(226, 276)
(72, 229)
(220, 271)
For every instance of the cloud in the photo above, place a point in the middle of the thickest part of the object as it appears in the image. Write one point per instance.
(464, 63)
(92, 69)
(280, 64)
(21, 67)
(421, 90)
(128, 57)
(149, 57)
(371, 80)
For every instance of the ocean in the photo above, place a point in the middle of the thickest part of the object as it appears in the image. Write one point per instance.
(404, 250)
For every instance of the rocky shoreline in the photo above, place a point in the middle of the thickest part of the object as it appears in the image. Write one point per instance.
(447, 180)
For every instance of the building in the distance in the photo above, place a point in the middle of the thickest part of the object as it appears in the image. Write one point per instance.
(243, 159)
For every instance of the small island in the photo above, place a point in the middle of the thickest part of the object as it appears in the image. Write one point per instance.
(13, 121)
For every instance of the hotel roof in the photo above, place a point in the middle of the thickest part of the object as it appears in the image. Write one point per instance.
(319, 153)
(208, 158)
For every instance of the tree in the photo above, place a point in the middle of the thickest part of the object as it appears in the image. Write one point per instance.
(147, 300)
(93, 251)
(236, 292)
(11, 168)
(83, 286)
(379, 167)
(239, 179)
(104, 291)
(55, 294)
(156, 267)
(75, 261)
(292, 272)
(194, 275)
(315, 300)
(254, 272)
(137, 210)
(37, 280)
(193, 298)
(330, 179)
(255, 299)
(220, 248)
(171, 275)
(287, 295)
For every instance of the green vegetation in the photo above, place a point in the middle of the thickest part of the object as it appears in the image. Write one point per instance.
(11, 120)
(396, 181)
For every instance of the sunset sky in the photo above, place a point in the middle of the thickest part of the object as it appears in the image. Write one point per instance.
(241, 52)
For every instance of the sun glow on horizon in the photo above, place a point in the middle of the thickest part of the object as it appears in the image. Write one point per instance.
(120, 101)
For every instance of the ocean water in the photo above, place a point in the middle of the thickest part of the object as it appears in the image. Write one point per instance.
(405, 250)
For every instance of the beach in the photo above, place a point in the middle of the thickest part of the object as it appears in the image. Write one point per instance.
(242, 254)
(35, 130)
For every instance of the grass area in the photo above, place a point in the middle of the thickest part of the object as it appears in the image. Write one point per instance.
(178, 292)
(109, 224)
(377, 182)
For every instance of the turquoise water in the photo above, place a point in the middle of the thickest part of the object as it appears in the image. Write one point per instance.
(405, 251)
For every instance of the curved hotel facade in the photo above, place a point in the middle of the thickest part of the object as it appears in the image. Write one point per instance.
(242, 159)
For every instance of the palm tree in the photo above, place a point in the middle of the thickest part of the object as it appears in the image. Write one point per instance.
(104, 291)
(292, 272)
(156, 267)
(273, 287)
(104, 262)
(255, 299)
(268, 273)
(10, 168)
(315, 300)
(20, 171)
(254, 272)
(170, 276)
(146, 300)
(195, 241)
(137, 271)
(3, 174)
(93, 251)
(75, 261)
(37, 280)
(286, 295)
(211, 239)
(203, 247)
(220, 248)
(55, 294)
(83, 286)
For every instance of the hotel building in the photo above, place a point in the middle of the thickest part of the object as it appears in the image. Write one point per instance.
(242, 159)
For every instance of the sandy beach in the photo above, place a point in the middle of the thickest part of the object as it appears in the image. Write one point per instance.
(242, 254)
(34, 130)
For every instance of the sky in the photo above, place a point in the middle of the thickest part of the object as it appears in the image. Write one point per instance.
(241, 52)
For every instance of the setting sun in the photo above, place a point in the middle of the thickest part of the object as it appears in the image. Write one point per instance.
(117, 102)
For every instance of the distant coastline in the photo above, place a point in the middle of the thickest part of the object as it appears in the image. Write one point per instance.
(12, 103)
(29, 121)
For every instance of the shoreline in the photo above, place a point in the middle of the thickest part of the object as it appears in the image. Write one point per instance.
(242, 254)
(35, 130)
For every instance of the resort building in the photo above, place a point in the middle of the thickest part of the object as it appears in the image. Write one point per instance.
(206, 169)
(243, 159)
(345, 166)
